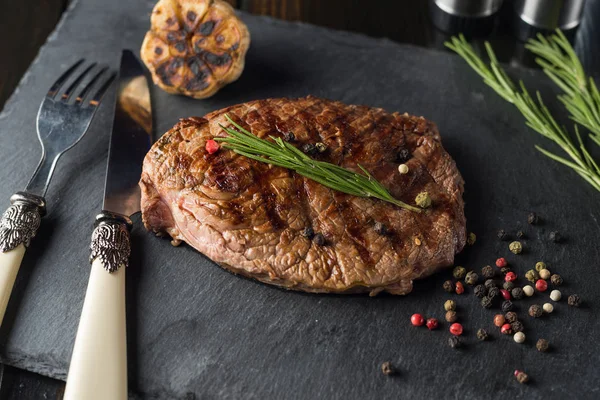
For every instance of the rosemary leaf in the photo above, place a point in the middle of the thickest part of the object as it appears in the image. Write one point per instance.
(282, 154)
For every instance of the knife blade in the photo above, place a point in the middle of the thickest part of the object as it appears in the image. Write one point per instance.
(98, 367)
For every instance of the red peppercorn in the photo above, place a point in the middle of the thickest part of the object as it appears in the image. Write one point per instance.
(506, 329)
(432, 323)
(460, 289)
(510, 277)
(456, 329)
(541, 285)
(501, 262)
(417, 320)
(212, 146)
(505, 294)
(517, 372)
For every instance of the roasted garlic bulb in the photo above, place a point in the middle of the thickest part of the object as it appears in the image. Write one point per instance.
(195, 47)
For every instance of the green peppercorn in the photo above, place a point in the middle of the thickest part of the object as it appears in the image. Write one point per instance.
(450, 305)
(542, 345)
(508, 285)
(574, 300)
(489, 284)
(493, 292)
(510, 317)
(540, 265)
(479, 291)
(471, 278)
(471, 238)
(556, 280)
(535, 311)
(507, 305)
(459, 272)
(517, 293)
(482, 334)
(423, 200)
(517, 326)
(321, 147)
(502, 234)
(451, 316)
(487, 272)
(486, 302)
(454, 342)
(516, 247)
(532, 275)
(449, 286)
(505, 270)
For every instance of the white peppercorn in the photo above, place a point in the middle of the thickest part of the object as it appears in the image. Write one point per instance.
(548, 308)
(528, 290)
(545, 274)
(555, 295)
(519, 337)
(403, 169)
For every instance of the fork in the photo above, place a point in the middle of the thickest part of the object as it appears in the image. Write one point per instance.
(62, 120)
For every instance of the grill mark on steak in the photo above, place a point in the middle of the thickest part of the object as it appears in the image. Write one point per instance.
(248, 216)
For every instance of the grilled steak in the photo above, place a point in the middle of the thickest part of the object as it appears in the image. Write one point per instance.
(257, 220)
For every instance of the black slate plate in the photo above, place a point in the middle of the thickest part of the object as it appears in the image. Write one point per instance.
(194, 328)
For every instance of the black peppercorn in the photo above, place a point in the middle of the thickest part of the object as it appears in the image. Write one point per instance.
(508, 285)
(505, 270)
(517, 326)
(449, 286)
(482, 334)
(490, 284)
(533, 218)
(542, 345)
(486, 302)
(487, 272)
(517, 293)
(479, 291)
(493, 292)
(380, 228)
(502, 235)
(535, 311)
(403, 156)
(309, 149)
(319, 239)
(289, 136)
(510, 317)
(574, 300)
(555, 236)
(520, 235)
(556, 280)
(454, 342)
(471, 278)
(507, 306)
(387, 368)
(308, 232)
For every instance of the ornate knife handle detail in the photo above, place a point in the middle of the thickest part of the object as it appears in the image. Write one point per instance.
(21, 220)
(110, 241)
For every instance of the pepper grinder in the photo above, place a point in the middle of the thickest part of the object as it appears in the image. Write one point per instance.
(544, 16)
(474, 18)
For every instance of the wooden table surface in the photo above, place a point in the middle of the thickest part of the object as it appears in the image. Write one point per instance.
(25, 26)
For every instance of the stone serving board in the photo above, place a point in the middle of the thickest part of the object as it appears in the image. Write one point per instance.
(197, 330)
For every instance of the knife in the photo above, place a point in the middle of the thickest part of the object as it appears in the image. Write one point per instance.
(98, 367)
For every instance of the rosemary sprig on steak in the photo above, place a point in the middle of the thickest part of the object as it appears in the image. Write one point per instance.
(561, 64)
(536, 114)
(283, 154)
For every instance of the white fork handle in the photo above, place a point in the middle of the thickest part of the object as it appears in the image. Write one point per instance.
(9, 268)
(99, 362)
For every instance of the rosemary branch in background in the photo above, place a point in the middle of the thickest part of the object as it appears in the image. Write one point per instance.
(283, 154)
(536, 114)
(560, 63)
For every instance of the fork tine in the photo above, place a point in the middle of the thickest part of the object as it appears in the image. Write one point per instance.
(67, 93)
(61, 80)
(89, 86)
(100, 93)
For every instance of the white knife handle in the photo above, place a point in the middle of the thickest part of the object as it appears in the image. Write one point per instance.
(99, 362)
(18, 226)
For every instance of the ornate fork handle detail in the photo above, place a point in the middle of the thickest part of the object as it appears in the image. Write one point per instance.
(21, 220)
(110, 241)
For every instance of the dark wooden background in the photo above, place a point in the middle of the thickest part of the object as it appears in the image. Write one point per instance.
(26, 24)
